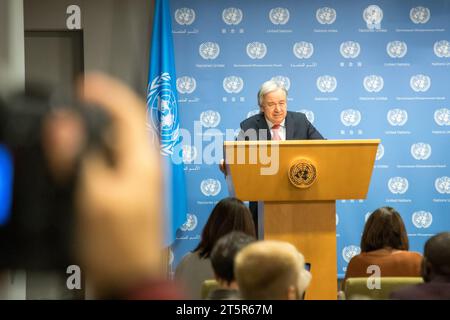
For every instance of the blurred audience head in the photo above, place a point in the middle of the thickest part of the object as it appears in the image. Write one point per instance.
(230, 214)
(436, 258)
(224, 253)
(271, 270)
(384, 229)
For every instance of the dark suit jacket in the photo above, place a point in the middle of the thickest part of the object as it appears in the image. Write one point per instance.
(297, 128)
(423, 291)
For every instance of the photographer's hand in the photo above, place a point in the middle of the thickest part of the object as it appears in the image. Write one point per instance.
(119, 207)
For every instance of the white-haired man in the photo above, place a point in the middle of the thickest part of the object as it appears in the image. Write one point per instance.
(274, 122)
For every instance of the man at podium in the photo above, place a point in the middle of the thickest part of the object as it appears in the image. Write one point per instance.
(274, 122)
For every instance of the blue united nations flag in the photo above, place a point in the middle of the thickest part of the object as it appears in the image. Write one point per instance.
(163, 117)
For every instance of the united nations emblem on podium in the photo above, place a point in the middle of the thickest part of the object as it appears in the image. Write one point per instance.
(302, 173)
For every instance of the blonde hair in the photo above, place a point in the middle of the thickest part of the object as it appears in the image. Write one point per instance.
(267, 269)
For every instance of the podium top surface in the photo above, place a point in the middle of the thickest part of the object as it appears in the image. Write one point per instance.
(269, 170)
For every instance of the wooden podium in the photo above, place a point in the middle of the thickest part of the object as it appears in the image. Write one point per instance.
(297, 183)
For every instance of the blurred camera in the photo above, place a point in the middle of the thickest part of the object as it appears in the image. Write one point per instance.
(37, 212)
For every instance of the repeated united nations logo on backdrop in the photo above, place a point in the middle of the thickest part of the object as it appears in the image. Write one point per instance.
(256, 50)
(282, 81)
(421, 150)
(186, 84)
(373, 15)
(209, 50)
(396, 49)
(350, 117)
(279, 16)
(326, 83)
(210, 187)
(397, 117)
(350, 49)
(326, 15)
(309, 114)
(420, 83)
(190, 224)
(422, 219)
(349, 252)
(189, 153)
(380, 152)
(419, 15)
(233, 84)
(303, 49)
(184, 16)
(442, 185)
(442, 117)
(210, 118)
(232, 16)
(373, 83)
(442, 49)
(398, 185)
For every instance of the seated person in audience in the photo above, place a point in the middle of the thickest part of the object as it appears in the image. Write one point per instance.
(230, 214)
(222, 261)
(271, 270)
(384, 243)
(435, 272)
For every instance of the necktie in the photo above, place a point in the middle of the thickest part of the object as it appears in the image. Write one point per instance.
(275, 135)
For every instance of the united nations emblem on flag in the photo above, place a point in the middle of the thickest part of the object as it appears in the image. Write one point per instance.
(232, 16)
(162, 112)
(279, 16)
(302, 173)
(326, 15)
(419, 15)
